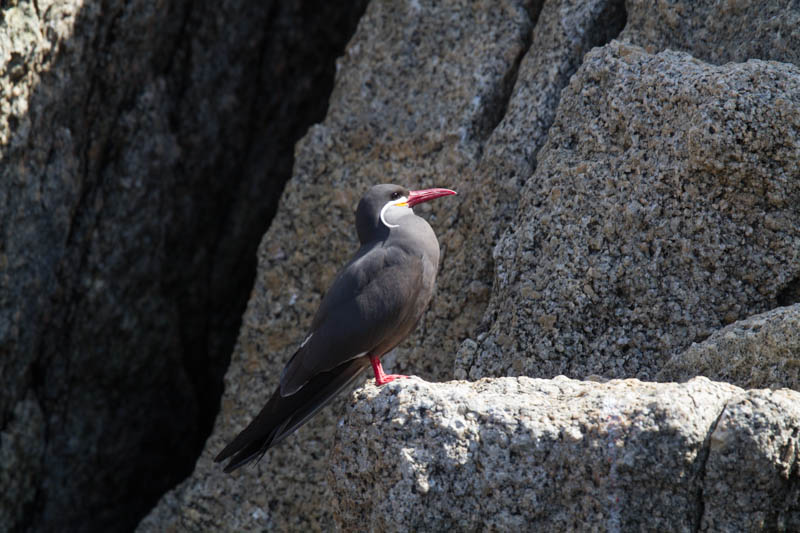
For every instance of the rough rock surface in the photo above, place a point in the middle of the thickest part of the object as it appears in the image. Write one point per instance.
(21, 449)
(512, 454)
(752, 474)
(663, 207)
(397, 115)
(717, 32)
(762, 351)
(143, 148)
(565, 30)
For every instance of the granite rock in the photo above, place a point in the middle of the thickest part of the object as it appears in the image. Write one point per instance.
(662, 208)
(752, 475)
(565, 30)
(22, 457)
(509, 454)
(717, 32)
(761, 351)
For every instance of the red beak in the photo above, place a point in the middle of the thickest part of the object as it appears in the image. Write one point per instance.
(417, 197)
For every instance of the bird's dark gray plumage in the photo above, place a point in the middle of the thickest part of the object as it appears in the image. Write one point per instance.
(373, 304)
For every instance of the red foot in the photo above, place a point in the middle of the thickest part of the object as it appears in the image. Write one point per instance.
(387, 378)
(380, 377)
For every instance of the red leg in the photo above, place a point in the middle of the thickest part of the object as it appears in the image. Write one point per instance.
(380, 377)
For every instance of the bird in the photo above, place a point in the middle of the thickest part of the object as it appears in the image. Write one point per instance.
(374, 302)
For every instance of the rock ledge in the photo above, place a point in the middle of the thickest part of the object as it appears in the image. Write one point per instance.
(560, 454)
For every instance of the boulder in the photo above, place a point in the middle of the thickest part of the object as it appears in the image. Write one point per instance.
(761, 351)
(511, 454)
(395, 115)
(565, 30)
(663, 207)
(618, 208)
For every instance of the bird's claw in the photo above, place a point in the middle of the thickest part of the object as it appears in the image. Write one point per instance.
(389, 378)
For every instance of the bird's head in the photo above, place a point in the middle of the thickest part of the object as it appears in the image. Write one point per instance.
(383, 205)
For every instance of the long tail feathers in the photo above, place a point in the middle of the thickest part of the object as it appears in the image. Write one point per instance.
(283, 415)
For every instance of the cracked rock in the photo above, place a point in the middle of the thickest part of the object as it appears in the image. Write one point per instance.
(752, 474)
(564, 31)
(663, 207)
(143, 148)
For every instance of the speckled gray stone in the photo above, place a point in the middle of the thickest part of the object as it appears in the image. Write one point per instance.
(752, 473)
(419, 89)
(761, 351)
(511, 454)
(565, 30)
(664, 206)
(717, 32)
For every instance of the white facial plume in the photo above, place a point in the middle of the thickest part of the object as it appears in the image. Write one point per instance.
(394, 207)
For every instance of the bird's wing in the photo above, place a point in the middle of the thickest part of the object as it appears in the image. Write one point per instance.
(361, 310)
(367, 302)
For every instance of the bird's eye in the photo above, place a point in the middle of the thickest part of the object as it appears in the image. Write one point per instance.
(395, 195)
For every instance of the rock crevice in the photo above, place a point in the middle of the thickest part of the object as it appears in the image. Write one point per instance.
(700, 505)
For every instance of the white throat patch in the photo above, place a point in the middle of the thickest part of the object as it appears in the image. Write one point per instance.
(400, 203)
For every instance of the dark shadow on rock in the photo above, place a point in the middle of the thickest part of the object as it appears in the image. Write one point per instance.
(136, 188)
(790, 294)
